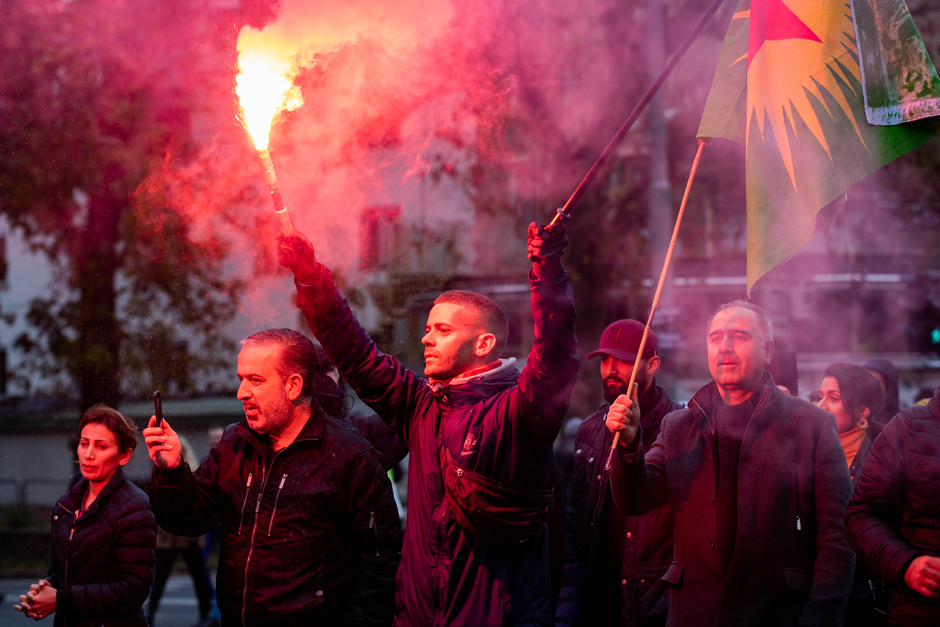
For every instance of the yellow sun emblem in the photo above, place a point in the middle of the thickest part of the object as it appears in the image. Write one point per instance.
(793, 49)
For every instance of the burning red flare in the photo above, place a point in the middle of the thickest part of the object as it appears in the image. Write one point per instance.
(264, 86)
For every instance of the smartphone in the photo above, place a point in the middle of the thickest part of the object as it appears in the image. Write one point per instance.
(158, 407)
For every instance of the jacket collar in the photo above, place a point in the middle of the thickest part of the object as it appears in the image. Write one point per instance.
(472, 389)
(73, 500)
(312, 431)
(706, 399)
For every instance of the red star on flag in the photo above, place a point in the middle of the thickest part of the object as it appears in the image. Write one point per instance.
(773, 20)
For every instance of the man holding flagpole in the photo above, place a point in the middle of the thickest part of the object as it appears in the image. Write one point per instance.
(479, 433)
(614, 564)
(759, 486)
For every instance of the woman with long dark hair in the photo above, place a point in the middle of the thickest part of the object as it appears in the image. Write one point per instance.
(854, 396)
(103, 535)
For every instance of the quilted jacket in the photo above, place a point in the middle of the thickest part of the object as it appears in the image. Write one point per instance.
(102, 563)
(894, 515)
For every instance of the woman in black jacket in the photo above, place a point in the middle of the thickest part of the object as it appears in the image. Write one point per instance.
(103, 536)
(853, 395)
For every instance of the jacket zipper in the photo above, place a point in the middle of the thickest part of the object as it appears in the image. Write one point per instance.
(241, 518)
(65, 575)
(254, 524)
(251, 542)
(796, 498)
(276, 497)
(374, 527)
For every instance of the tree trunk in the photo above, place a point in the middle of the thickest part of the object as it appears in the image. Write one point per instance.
(98, 361)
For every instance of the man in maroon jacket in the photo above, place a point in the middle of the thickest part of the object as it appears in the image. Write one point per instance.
(479, 432)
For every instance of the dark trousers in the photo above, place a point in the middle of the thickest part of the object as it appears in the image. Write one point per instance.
(192, 557)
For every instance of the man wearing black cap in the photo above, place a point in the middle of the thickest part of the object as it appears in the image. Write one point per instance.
(614, 564)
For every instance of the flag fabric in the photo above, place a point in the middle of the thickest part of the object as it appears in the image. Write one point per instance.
(789, 87)
(899, 81)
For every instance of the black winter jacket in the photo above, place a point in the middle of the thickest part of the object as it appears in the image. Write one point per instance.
(647, 553)
(894, 515)
(500, 424)
(310, 534)
(791, 563)
(102, 564)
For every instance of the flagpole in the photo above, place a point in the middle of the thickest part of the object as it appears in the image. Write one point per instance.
(565, 211)
(659, 288)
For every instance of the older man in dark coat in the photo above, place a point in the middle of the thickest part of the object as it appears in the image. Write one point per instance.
(759, 485)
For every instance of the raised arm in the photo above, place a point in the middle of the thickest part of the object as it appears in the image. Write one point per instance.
(552, 366)
(184, 503)
(380, 380)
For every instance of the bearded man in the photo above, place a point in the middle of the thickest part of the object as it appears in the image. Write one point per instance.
(310, 530)
(614, 564)
(479, 432)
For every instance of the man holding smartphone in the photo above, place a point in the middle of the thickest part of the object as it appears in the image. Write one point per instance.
(310, 530)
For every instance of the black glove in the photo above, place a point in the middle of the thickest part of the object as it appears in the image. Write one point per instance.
(546, 244)
(295, 252)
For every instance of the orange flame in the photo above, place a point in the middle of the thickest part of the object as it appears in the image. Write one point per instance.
(264, 86)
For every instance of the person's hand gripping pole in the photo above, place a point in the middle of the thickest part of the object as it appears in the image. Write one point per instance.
(295, 252)
(623, 418)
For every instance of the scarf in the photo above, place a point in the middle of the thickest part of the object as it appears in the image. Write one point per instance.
(851, 441)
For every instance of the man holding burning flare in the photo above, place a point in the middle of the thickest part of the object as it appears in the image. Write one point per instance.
(479, 432)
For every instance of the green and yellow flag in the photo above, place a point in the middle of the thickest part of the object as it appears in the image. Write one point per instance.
(789, 86)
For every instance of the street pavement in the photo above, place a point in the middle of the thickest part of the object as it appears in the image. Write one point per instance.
(178, 607)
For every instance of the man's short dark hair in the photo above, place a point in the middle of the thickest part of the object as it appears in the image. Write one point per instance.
(764, 324)
(490, 315)
(297, 354)
(125, 433)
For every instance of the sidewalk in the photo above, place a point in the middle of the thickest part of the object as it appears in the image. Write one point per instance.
(178, 607)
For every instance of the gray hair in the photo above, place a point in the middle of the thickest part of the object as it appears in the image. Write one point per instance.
(297, 354)
(765, 326)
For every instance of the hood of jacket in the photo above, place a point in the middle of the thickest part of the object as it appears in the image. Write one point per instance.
(889, 373)
(475, 388)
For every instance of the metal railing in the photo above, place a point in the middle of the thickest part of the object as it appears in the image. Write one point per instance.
(31, 491)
